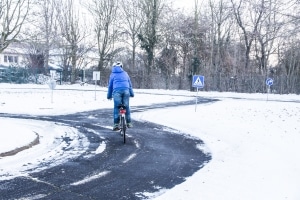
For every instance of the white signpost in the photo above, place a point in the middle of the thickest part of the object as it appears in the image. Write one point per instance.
(52, 83)
(198, 82)
(96, 77)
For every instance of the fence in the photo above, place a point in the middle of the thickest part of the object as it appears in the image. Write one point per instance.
(241, 83)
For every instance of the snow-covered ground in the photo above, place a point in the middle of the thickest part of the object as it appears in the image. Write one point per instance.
(254, 139)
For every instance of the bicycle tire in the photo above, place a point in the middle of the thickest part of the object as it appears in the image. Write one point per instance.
(123, 128)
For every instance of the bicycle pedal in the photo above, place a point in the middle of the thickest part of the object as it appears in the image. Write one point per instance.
(116, 129)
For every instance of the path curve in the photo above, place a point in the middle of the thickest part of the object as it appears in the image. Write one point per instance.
(155, 158)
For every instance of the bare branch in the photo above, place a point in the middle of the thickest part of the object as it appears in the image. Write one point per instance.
(12, 15)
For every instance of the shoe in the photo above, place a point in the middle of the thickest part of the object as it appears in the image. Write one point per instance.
(116, 127)
(129, 125)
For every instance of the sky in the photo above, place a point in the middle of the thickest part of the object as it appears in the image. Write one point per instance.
(253, 139)
(184, 4)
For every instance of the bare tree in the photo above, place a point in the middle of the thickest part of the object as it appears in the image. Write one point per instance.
(104, 14)
(184, 43)
(221, 25)
(48, 27)
(196, 41)
(42, 37)
(12, 16)
(248, 16)
(151, 13)
(168, 56)
(288, 43)
(291, 67)
(132, 11)
(35, 58)
(71, 31)
(267, 33)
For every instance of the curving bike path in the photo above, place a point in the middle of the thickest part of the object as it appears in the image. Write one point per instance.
(154, 158)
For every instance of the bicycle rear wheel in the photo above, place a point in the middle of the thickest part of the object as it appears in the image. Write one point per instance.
(123, 128)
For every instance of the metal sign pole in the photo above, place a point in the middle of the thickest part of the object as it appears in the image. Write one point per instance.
(95, 86)
(52, 96)
(268, 92)
(96, 77)
(196, 100)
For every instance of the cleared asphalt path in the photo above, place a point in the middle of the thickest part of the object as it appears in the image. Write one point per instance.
(153, 158)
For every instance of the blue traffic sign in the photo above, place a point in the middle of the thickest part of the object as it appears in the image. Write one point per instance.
(269, 81)
(198, 81)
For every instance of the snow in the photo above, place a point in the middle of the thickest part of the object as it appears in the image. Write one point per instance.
(7, 140)
(253, 138)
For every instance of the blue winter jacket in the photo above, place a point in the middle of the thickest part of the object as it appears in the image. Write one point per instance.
(119, 80)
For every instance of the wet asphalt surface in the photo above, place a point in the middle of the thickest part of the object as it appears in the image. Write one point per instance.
(154, 158)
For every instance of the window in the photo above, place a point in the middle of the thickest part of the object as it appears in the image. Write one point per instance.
(11, 59)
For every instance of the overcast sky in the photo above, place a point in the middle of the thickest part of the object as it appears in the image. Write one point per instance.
(189, 4)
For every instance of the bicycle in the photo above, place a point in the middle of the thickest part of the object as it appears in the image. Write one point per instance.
(122, 123)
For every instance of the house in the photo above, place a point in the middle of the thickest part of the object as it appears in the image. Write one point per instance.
(18, 56)
(13, 55)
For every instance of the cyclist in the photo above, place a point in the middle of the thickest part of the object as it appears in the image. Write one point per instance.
(120, 89)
